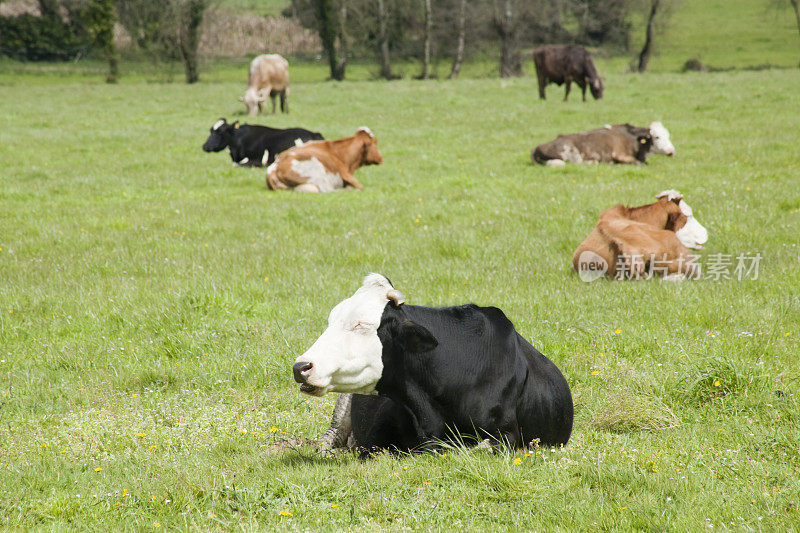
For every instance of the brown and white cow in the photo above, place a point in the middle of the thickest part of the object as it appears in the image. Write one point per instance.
(635, 242)
(565, 63)
(620, 143)
(269, 76)
(325, 166)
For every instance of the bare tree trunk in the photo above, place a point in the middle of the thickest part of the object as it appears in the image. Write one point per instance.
(342, 64)
(426, 57)
(189, 37)
(462, 30)
(504, 26)
(383, 40)
(796, 6)
(644, 56)
(327, 34)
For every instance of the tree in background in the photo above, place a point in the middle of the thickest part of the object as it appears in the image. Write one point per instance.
(383, 39)
(644, 55)
(601, 22)
(327, 26)
(99, 18)
(168, 30)
(329, 18)
(389, 30)
(505, 25)
(426, 54)
(190, 17)
(796, 6)
(461, 30)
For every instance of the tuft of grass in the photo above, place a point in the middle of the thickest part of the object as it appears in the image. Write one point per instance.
(623, 412)
(715, 377)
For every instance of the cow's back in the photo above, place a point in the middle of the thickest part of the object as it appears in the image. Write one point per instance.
(269, 70)
(550, 61)
(604, 145)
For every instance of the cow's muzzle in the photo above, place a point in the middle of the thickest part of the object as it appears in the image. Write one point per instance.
(301, 370)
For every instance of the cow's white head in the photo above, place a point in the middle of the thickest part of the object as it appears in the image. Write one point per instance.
(661, 143)
(252, 98)
(347, 356)
(690, 232)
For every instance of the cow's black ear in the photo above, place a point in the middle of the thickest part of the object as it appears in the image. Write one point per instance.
(416, 338)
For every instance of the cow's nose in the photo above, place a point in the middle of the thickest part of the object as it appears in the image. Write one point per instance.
(301, 371)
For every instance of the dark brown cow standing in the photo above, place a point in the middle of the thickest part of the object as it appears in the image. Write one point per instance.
(567, 63)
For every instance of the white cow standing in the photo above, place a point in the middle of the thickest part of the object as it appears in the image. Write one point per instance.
(269, 76)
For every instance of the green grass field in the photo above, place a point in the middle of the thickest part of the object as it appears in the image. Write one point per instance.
(154, 298)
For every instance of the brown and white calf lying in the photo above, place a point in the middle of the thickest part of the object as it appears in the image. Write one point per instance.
(324, 166)
(620, 143)
(633, 242)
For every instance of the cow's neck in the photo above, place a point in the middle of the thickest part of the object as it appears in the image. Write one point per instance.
(234, 147)
(402, 383)
(412, 396)
(651, 214)
(349, 151)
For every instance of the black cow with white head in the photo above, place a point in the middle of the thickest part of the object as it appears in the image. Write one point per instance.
(439, 373)
(255, 146)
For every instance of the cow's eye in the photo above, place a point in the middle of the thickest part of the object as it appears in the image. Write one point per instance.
(360, 325)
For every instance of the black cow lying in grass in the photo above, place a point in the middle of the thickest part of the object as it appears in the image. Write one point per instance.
(456, 373)
(255, 146)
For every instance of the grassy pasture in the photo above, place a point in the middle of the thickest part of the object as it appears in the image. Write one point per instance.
(153, 299)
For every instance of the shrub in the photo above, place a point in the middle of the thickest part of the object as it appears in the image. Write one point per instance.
(30, 38)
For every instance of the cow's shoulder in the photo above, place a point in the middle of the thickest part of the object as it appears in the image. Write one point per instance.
(480, 319)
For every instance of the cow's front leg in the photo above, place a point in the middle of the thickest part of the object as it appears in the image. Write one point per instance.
(341, 426)
(567, 86)
(542, 84)
(285, 100)
(350, 180)
(625, 158)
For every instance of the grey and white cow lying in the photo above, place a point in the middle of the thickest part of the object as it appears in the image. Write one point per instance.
(460, 373)
(620, 143)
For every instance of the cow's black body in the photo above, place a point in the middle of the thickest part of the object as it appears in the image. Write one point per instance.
(248, 143)
(479, 379)
(566, 64)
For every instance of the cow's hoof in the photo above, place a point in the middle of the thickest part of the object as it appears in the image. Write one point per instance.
(555, 163)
